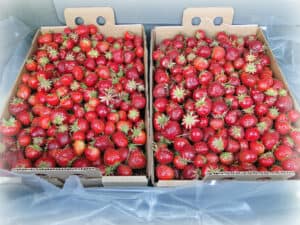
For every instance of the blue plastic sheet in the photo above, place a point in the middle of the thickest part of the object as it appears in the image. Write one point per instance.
(36, 202)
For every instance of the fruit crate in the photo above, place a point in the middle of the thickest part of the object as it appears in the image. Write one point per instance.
(90, 176)
(207, 24)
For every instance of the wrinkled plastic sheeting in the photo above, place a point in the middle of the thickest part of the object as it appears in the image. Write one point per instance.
(37, 202)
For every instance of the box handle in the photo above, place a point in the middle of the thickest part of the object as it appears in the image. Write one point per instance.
(100, 16)
(207, 17)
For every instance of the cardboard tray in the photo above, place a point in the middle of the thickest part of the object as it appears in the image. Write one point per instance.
(207, 16)
(90, 176)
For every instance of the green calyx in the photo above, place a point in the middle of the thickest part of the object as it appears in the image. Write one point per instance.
(108, 96)
(218, 144)
(58, 120)
(189, 120)
(241, 97)
(226, 155)
(43, 60)
(162, 120)
(237, 131)
(271, 92)
(261, 126)
(63, 128)
(133, 113)
(76, 49)
(9, 122)
(73, 36)
(74, 86)
(178, 93)
(200, 102)
(249, 110)
(53, 52)
(36, 147)
(108, 55)
(17, 100)
(136, 132)
(93, 53)
(70, 57)
(38, 141)
(274, 111)
(282, 92)
(45, 83)
(125, 129)
(132, 85)
(110, 170)
(250, 68)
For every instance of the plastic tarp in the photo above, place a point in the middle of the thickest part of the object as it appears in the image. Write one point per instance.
(31, 200)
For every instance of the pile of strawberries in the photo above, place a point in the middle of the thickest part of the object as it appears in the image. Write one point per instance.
(80, 103)
(218, 107)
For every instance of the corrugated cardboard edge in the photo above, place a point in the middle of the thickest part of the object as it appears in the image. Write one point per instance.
(230, 176)
(90, 176)
(159, 33)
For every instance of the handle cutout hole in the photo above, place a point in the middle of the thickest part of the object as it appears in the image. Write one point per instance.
(100, 20)
(263, 178)
(78, 175)
(228, 178)
(42, 175)
(218, 21)
(79, 21)
(196, 21)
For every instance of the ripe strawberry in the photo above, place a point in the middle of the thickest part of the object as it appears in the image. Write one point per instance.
(138, 136)
(81, 163)
(111, 157)
(252, 134)
(120, 139)
(293, 115)
(136, 159)
(171, 130)
(64, 157)
(215, 89)
(267, 159)
(91, 153)
(248, 120)
(290, 165)
(179, 162)
(295, 135)
(190, 172)
(124, 170)
(45, 162)
(283, 152)
(247, 156)
(203, 106)
(163, 155)
(270, 139)
(218, 53)
(164, 172)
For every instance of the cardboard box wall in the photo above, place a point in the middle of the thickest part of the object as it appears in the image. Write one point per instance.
(89, 176)
(207, 17)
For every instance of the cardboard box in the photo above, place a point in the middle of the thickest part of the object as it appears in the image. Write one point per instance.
(207, 16)
(90, 176)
